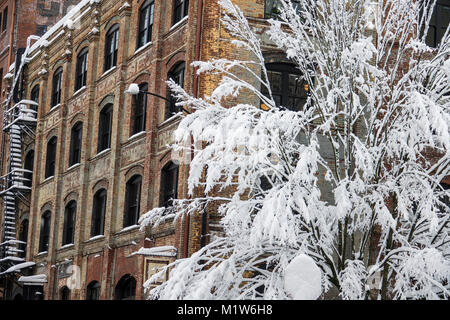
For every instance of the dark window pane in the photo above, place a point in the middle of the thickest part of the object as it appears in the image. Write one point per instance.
(145, 23)
(125, 288)
(180, 10)
(111, 46)
(139, 110)
(177, 75)
(56, 88)
(169, 185)
(28, 165)
(98, 213)
(81, 72)
(93, 291)
(23, 236)
(69, 222)
(45, 232)
(51, 158)
(104, 132)
(75, 144)
(132, 201)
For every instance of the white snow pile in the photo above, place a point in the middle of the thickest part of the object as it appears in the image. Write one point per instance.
(166, 251)
(303, 278)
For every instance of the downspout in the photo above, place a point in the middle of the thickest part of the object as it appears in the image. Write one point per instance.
(195, 93)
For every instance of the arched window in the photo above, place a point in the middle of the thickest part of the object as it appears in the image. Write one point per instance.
(44, 235)
(139, 110)
(56, 87)
(145, 23)
(23, 236)
(81, 71)
(93, 291)
(132, 201)
(28, 165)
(75, 143)
(111, 46)
(177, 75)
(50, 160)
(104, 128)
(125, 288)
(65, 293)
(98, 213)
(169, 185)
(180, 10)
(69, 222)
(288, 88)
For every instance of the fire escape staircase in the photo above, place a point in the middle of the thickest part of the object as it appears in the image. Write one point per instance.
(20, 120)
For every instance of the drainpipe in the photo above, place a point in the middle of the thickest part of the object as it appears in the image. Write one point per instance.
(195, 92)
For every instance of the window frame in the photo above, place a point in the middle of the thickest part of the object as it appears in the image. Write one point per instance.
(139, 110)
(4, 18)
(180, 10)
(57, 87)
(145, 25)
(28, 165)
(76, 136)
(133, 190)
(50, 157)
(23, 236)
(287, 70)
(98, 212)
(436, 22)
(70, 214)
(93, 288)
(44, 234)
(111, 42)
(177, 74)
(169, 184)
(125, 288)
(34, 96)
(81, 68)
(105, 127)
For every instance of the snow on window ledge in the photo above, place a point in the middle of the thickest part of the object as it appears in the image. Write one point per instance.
(178, 23)
(108, 71)
(48, 179)
(43, 253)
(176, 115)
(129, 228)
(79, 90)
(54, 108)
(102, 152)
(145, 46)
(97, 237)
(137, 135)
(67, 246)
(73, 166)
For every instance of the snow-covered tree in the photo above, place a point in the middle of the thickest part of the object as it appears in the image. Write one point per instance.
(346, 192)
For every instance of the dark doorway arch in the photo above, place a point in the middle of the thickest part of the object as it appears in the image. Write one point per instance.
(125, 288)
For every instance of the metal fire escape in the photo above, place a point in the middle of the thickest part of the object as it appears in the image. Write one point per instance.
(19, 121)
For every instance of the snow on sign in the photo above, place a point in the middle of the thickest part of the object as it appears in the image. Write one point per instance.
(303, 278)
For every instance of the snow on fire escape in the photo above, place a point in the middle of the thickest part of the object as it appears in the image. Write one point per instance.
(19, 120)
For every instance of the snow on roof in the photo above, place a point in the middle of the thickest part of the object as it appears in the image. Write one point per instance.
(67, 20)
(39, 278)
(165, 251)
(19, 266)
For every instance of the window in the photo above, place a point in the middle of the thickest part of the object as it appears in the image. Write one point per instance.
(44, 235)
(75, 143)
(139, 110)
(180, 10)
(111, 46)
(23, 236)
(28, 165)
(50, 160)
(65, 293)
(169, 185)
(104, 128)
(98, 213)
(34, 96)
(125, 288)
(81, 73)
(272, 8)
(439, 22)
(145, 23)
(132, 201)
(177, 75)
(93, 291)
(289, 90)
(56, 87)
(5, 19)
(69, 222)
